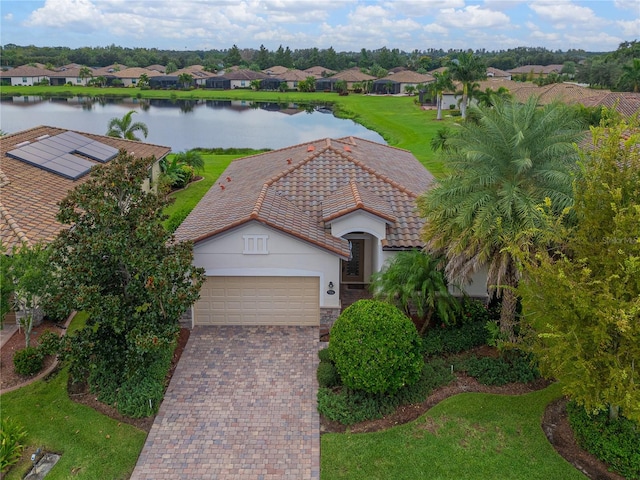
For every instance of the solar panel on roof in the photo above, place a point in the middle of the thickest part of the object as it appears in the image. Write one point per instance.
(55, 154)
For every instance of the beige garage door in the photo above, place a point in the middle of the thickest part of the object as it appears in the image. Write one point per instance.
(258, 301)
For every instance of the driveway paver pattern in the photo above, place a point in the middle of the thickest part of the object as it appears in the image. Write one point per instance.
(241, 405)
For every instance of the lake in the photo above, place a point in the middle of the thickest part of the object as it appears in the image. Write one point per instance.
(185, 124)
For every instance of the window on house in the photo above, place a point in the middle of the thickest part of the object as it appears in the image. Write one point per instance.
(78, 80)
(242, 83)
(255, 244)
(24, 79)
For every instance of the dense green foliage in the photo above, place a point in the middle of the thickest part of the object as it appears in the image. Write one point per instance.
(327, 374)
(453, 339)
(28, 361)
(124, 270)
(500, 169)
(126, 128)
(349, 406)
(12, 437)
(413, 281)
(583, 302)
(616, 442)
(512, 366)
(375, 348)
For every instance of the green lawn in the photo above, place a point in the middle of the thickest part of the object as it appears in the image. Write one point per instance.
(468, 436)
(92, 445)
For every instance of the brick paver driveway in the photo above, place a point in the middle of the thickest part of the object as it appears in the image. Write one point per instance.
(241, 405)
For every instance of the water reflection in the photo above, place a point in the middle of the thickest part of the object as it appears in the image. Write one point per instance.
(183, 124)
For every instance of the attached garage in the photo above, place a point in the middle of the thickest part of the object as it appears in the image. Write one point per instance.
(258, 301)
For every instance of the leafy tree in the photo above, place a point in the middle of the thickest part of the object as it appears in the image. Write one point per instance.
(630, 78)
(170, 68)
(233, 57)
(584, 303)
(467, 68)
(123, 268)
(414, 280)
(500, 170)
(28, 272)
(442, 83)
(124, 128)
(255, 84)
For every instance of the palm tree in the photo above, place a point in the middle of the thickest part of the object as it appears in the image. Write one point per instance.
(85, 72)
(442, 83)
(191, 158)
(123, 128)
(488, 97)
(414, 280)
(486, 210)
(144, 80)
(185, 79)
(631, 75)
(467, 68)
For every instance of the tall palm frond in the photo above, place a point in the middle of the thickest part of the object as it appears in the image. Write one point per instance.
(124, 128)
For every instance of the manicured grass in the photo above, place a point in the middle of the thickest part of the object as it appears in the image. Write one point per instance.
(398, 119)
(92, 445)
(471, 435)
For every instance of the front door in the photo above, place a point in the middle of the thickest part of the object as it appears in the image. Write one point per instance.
(353, 269)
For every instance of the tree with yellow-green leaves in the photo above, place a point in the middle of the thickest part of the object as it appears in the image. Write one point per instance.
(583, 303)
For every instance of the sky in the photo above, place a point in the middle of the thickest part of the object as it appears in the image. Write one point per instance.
(345, 25)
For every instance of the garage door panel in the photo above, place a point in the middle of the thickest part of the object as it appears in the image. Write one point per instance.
(258, 301)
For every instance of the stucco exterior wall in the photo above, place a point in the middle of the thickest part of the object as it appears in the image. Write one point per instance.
(285, 256)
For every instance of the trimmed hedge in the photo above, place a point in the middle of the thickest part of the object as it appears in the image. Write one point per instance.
(28, 361)
(375, 348)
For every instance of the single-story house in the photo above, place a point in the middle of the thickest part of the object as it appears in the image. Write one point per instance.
(283, 235)
(25, 75)
(293, 76)
(39, 166)
(397, 82)
(130, 76)
(536, 70)
(243, 78)
(351, 76)
(319, 71)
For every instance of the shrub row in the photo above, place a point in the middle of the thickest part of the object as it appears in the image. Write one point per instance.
(513, 366)
(615, 442)
(349, 406)
(446, 340)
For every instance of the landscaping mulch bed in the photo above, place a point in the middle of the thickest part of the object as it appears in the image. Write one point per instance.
(554, 423)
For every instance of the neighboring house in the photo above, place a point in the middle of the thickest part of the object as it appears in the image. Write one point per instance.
(275, 71)
(243, 78)
(284, 234)
(39, 166)
(319, 72)
(625, 103)
(25, 75)
(351, 76)
(292, 77)
(497, 73)
(397, 82)
(157, 68)
(131, 76)
(536, 71)
(68, 74)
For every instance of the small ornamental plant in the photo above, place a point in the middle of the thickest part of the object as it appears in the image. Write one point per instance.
(375, 348)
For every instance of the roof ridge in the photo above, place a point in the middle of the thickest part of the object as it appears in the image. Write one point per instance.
(255, 213)
(13, 224)
(356, 193)
(4, 179)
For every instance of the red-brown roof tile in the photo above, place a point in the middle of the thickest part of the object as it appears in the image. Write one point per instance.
(297, 189)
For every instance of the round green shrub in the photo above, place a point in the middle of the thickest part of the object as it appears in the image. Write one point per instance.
(327, 375)
(324, 355)
(28, 361)
(49, 343)
(375, 348)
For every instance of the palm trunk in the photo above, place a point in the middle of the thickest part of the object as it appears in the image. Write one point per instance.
(439, 106)
(614, 412)
(509, 305)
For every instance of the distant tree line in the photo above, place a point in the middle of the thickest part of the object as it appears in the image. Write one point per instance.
(601, 69)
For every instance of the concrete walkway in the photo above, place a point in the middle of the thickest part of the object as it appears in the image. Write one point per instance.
(241, 405)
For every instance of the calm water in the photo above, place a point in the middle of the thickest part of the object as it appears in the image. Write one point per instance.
(182, 125)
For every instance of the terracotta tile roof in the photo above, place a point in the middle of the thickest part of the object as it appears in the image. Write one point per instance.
(244, 75)
(627, 103)
(135, 72)
(276, 70)
(29, 196)
(319, 71)
(497, 73)
(408, 76)
(26, 71)
(536, 69)
(299, 188)
(293, 75)
(353, 75)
